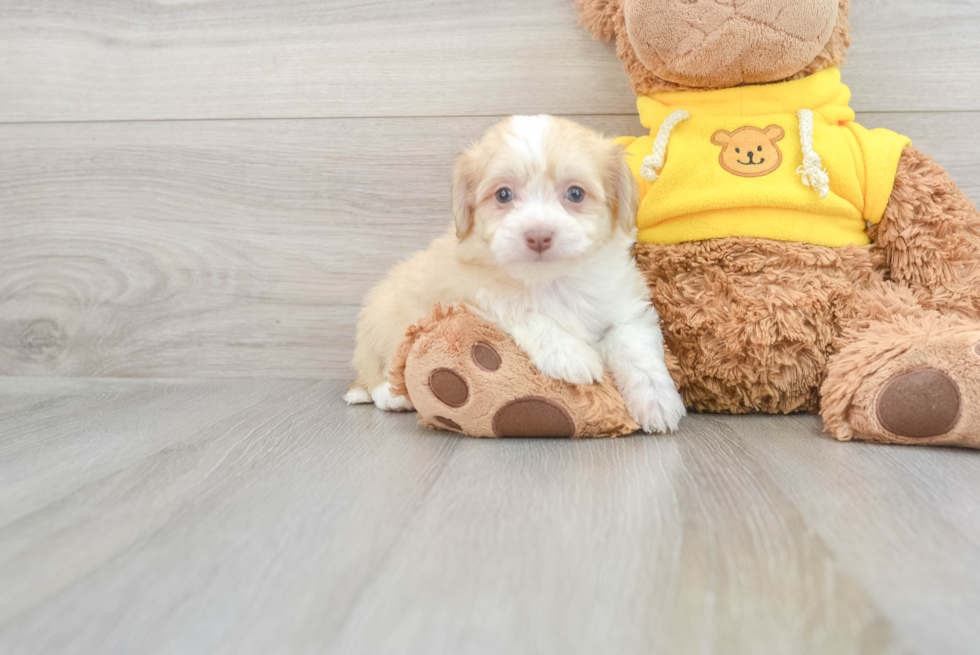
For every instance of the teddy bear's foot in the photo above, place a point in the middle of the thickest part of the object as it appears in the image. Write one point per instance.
(915, 382)
(466, 375)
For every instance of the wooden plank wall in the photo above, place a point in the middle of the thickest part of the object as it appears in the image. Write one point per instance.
(208, 188)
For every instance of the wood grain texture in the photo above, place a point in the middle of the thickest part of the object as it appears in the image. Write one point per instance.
(263, 516)
(911, 522)
(256, 516)
(170, 249)
(231, 248)
(112, 60)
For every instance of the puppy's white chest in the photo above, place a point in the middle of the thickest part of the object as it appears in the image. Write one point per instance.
(576, 311)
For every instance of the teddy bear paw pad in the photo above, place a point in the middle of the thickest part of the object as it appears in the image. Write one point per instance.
(533, 416)
(449, 386)
(486, 357)
(920, 404)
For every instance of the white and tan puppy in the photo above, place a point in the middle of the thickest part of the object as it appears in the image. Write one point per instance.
(544, 215)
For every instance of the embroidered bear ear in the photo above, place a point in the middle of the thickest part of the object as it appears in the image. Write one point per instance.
(775, 133)
(721, 137)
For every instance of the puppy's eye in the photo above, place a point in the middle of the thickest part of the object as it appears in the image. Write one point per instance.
(504, 195)
(575, 194)
(737, 150)
(760, 148)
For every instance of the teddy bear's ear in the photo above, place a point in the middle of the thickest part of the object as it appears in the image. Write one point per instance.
(721, 137)
(462, 195)
(599, 17)
(775, 133)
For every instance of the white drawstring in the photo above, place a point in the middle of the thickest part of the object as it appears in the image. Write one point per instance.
(812, 171)
(653, 163)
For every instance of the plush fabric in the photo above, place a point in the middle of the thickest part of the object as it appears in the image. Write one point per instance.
(712, 44)
(881, 339)
(758, 191)
(466, 375)
(606, 20)
(915, 382)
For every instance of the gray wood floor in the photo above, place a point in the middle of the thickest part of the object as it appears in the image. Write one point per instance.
(258, 516)
(194, 197)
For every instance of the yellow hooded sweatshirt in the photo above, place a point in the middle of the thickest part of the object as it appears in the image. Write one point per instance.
(782, 161)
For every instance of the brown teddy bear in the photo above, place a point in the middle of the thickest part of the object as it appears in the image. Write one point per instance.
(799, 262)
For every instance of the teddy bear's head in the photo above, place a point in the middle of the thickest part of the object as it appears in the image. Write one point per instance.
(673, 45)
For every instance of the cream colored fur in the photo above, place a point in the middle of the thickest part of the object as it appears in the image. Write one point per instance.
(575, 308)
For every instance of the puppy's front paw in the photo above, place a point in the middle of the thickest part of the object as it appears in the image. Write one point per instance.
(386, 401)
(570, 360)
(654, 404)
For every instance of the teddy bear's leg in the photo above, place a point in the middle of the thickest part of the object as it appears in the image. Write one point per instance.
(904, 375)
(750, 323)
(929, 238)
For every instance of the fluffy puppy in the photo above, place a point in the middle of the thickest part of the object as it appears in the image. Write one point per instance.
(544, 214)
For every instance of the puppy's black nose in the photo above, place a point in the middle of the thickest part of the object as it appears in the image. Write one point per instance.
(751, 155)
(539, 240)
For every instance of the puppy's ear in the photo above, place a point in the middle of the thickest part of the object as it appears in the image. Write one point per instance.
(624, 199)
(462, 195)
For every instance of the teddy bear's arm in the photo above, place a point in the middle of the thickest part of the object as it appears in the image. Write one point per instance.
(929, 237)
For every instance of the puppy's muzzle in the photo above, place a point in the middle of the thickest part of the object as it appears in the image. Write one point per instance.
(539, 240)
